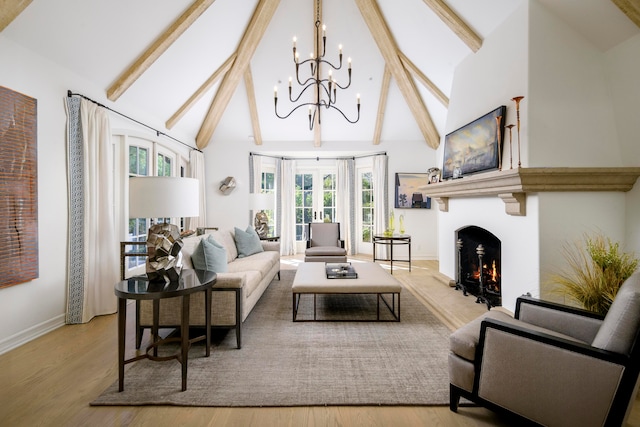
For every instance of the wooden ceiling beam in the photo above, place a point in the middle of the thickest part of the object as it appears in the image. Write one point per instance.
(457, 25)
(382, 35)
(382, 104)
(253, 108)
(631, 8)
(435, 91)
(255, 30)
(157, 48)
(193, 99)
(9, 10)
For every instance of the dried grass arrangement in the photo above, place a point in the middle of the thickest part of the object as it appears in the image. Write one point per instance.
(596, 268)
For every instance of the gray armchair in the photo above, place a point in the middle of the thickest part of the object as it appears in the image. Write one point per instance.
(552, 365)
(324, 243)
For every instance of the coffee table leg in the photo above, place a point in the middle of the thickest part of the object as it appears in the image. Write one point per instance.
(122, 324)
(185, 339)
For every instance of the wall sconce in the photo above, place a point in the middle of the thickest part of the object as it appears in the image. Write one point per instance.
(228, 185)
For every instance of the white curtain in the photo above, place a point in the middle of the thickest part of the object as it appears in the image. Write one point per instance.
(93, 267)
(255, 171)
(287, 215)
(345, 202)
(196, 170)
(380, 196)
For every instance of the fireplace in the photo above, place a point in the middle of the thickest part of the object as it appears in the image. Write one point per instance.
(478, 261)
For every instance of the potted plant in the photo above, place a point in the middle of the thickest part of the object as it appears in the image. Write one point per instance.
(596, 268)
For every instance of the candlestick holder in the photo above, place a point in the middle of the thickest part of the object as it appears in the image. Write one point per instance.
(498, 146)
(517, 100)
(510, 146)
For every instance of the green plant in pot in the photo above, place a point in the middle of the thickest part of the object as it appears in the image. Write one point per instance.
(596, 268)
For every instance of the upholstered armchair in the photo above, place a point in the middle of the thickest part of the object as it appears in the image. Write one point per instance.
(324, 243)
(551, 364)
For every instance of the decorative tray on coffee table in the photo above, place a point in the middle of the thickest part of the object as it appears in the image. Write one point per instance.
(340, 270)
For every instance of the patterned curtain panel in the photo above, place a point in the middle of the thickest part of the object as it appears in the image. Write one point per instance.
(93, 267)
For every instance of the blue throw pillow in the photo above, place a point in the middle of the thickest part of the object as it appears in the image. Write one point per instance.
(210, 255)
(247, 242)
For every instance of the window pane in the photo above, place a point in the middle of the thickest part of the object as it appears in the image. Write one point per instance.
(143, 168)
(308, 215)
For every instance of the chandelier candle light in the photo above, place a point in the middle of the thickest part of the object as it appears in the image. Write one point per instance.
(326, 88)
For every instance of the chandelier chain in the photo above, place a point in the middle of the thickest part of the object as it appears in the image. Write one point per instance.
(325, 89)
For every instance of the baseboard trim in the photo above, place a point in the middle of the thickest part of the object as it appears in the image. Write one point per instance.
(30, 334)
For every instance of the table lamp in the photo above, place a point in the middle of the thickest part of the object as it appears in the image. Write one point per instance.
(259, 202)
(163, 197)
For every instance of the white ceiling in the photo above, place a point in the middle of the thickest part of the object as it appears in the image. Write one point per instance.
(99, 39)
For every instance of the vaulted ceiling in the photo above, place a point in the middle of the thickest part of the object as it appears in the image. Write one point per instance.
(207, 68)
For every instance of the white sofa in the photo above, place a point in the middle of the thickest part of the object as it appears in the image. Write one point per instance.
(246, 280)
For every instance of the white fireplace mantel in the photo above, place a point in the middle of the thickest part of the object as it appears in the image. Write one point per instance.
(512, 185)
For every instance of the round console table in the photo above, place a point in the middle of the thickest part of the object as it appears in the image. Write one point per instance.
(391, 241)
(140, 288)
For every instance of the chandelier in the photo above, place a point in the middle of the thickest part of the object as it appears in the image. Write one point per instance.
(324, 89)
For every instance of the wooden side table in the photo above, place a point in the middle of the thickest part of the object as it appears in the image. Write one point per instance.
(139, 288)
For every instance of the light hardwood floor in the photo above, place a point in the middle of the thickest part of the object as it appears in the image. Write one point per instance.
(51, 380)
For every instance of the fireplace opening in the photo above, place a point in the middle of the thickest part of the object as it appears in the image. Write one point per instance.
(478, 261)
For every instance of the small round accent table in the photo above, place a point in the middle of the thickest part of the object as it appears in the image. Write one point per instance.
(140, 288)
(391, 241)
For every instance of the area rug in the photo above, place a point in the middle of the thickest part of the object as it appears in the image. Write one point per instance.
(282, 363)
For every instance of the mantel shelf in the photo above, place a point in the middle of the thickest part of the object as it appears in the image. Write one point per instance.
(512, 185)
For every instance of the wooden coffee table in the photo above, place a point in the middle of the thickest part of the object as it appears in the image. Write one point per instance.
(311, 278)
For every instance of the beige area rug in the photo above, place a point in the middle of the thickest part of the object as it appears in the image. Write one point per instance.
(283, 363)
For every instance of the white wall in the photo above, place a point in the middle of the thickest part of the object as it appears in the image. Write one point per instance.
(570, 113)
(231, 158)
(32, 308)
(565, 219)
(567, 119)
(623, 69)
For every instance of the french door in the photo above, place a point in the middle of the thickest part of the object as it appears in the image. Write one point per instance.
(315, 198)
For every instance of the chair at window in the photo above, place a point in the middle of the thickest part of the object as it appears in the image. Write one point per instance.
(324, 244)
(552, 364)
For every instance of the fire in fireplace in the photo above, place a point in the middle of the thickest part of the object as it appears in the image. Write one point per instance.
(478, 260)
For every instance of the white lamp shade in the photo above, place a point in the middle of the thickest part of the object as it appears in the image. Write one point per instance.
(163, 197)
(261, 201)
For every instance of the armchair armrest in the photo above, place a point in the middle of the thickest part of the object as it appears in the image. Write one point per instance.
(546, 378)
(572, 321)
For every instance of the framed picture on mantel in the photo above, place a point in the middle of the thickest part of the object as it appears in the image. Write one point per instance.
(475, 146)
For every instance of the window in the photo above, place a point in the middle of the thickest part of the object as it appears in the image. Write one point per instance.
(304, 203)
(141, 155)
(267, 185)
(315, 199)
(138, 166)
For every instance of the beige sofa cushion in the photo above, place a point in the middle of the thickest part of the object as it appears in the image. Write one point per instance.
(225, 238)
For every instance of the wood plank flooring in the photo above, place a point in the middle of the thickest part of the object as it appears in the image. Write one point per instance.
(51, 380)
